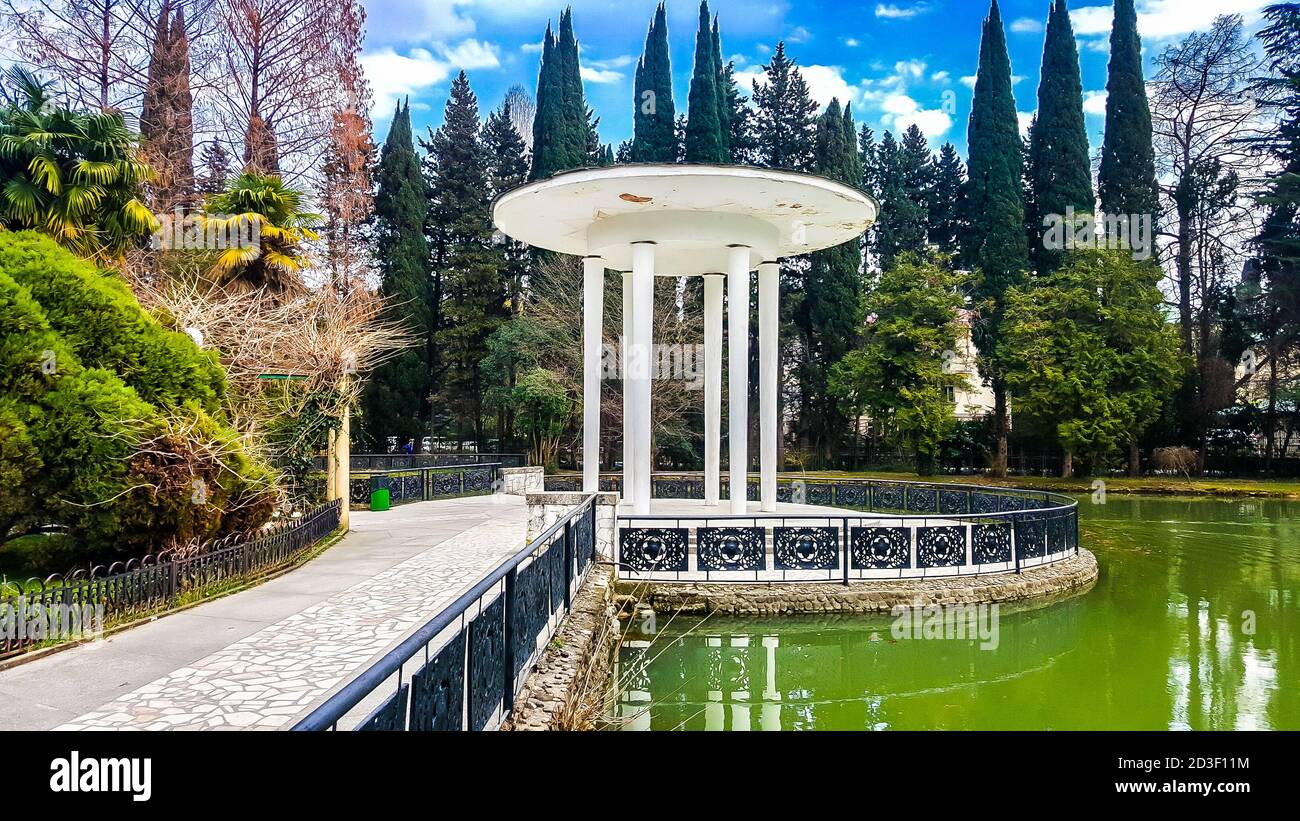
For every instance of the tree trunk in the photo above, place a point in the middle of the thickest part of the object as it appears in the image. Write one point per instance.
(1067, 466)
(1001, 431)
(1270, 418)
(1134, 460)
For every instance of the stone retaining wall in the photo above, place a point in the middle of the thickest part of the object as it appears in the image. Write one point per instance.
(566, 689)
(1077, 573)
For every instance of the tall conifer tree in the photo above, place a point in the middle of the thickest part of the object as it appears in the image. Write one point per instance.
(395, 402)
(945, 225)
(475, 296)
(704, 139)
(1126, 182)
(827, 316)
(994, 241)
(653, 138)
(721, 84)
(784, 119)
(560, 125)
(1060, 170)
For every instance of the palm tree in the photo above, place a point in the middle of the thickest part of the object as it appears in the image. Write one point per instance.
(261, 206)
(70, 174)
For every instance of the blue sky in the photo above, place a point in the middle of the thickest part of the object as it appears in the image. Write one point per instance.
(898, 62)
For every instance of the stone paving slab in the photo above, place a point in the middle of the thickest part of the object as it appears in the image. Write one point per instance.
(259, 658)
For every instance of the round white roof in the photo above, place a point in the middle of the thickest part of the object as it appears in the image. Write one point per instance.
(691, 213)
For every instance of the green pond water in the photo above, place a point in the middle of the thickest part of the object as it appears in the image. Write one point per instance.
(1194, 624)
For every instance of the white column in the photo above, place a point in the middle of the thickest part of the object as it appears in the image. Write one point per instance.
(641, 362)
(593, 298)
(768, 346)
(629, 448)
(712, 387)
(738, 371)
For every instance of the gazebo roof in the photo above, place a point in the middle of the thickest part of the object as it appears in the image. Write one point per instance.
(691, 212)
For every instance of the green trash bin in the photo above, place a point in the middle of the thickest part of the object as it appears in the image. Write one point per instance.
(379, 499)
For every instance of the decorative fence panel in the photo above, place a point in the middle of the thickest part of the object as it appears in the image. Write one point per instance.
(423, 484)
(463, 668)
(144, 585)
(870, 529)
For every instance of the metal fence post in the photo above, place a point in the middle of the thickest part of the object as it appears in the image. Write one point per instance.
(1015, 541)
(568, 563)
(844, 537)
(508, 640)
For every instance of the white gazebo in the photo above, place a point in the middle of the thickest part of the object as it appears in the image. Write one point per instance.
(714, 221)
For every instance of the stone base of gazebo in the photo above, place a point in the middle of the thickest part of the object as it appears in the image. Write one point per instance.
(1032, 588)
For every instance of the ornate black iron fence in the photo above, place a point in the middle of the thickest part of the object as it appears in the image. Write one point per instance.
(365, 462)
(423, 484)
(463, 668)
(904, 530)
(143, 585)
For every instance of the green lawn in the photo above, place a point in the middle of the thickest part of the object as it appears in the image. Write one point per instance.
(1270, 488)
(1156, 485)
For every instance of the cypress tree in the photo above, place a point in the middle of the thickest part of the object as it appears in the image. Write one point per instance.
(704, 140)
(546, 118)
(1127, 180)
(653, 138)
(994, 239)
(577, 121)
(944, 228)
(560, 125)
(1060, 170)
(722, 87)
(784, 122)
(475, 296)
(395, 402)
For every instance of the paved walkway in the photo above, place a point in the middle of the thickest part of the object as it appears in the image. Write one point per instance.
(261, 657)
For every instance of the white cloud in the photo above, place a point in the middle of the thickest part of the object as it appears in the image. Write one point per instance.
(471, 54)
(1026, 25)
(596, 75)
(902, 112)
(824, 82)
(910, 69)
(417, 21)
(942, 77)
(799, 35)
(1164, 19)
(1024, 119)
(532, 48)
(621, 61)
(893, 11)
(851, 42)
(393, 75)
(1094, 102)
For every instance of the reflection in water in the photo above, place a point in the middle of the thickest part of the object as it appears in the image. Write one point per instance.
(1193, 625)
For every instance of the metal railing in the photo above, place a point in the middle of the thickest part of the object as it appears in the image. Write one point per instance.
(463, 668)
(424, 484)
(405, 461)
(872, 529)
(147, 584)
